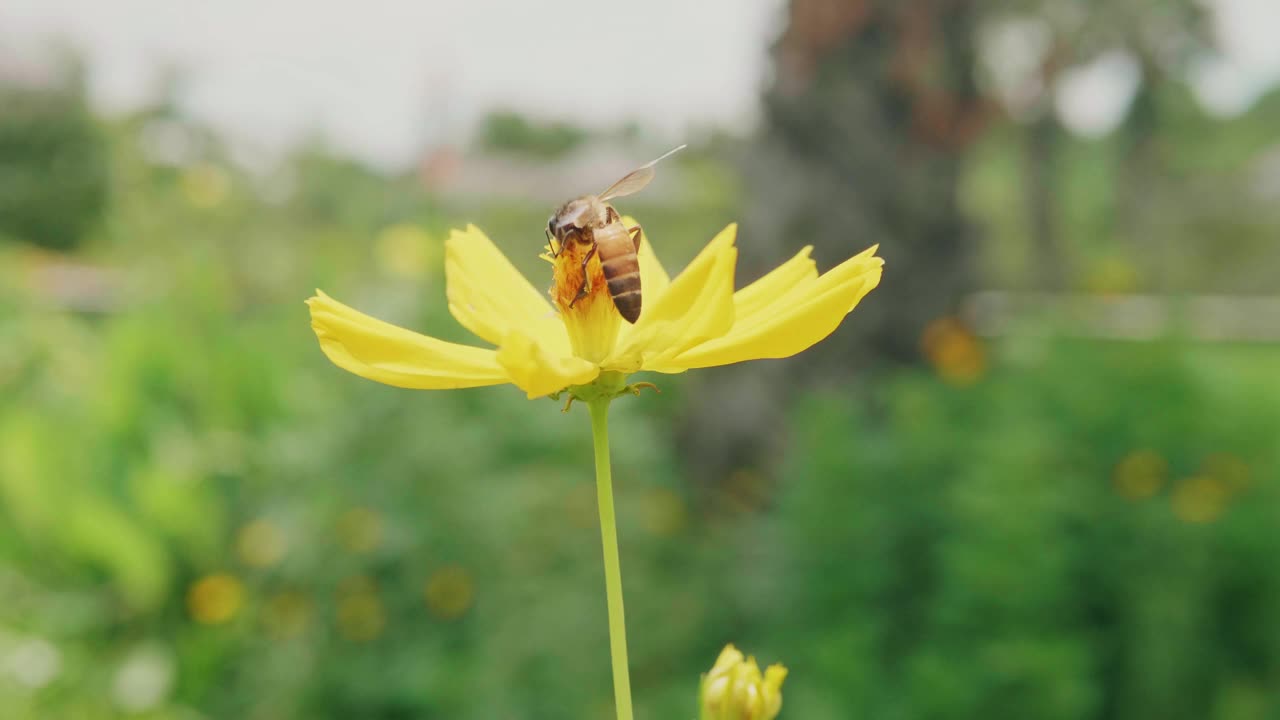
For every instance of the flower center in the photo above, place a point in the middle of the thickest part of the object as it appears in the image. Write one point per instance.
(586, 309)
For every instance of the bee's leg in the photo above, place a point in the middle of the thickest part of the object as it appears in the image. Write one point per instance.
(582, 291)
(552, 245)
(636, 232)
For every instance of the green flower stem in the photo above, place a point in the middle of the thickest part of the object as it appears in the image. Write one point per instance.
(612, 568)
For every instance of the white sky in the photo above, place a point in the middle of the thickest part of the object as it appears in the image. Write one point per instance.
(381, 77)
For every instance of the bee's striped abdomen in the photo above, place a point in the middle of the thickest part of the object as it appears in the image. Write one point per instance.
(621, 268)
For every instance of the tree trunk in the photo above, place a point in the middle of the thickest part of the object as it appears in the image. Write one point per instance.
(1040, 172)
(872, 104)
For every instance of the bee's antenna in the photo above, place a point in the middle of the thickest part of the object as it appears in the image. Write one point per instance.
(665, 155)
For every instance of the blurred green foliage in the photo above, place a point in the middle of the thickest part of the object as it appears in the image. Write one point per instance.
(1211, 222)
(507, 131)
(1084, 531)
(201, 517)
(53, 165)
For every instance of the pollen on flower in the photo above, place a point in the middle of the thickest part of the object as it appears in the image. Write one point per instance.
(569, 272)
(587, 310)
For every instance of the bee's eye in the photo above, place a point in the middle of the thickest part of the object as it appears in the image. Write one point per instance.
(551, 227)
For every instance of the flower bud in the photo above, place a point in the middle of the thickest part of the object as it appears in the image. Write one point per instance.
(735, 690)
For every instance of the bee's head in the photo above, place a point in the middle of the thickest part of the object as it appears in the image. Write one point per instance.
(575, 216)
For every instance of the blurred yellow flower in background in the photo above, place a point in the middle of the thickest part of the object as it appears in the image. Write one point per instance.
(1140, 474)
(360, 613)
(215, 598)
(735, 689)
(1200, 499)
(449, 592)
(696, 320)
(955, 352)
(1111, 275)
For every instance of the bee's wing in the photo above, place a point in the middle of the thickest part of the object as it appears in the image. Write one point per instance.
(634, 181)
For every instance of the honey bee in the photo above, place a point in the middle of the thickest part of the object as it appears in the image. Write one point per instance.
(591, 222)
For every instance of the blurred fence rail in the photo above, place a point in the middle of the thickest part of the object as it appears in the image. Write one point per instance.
(1223, 318)
(71, 285)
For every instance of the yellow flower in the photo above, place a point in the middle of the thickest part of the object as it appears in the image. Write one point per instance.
(215, 598)
(735, 690)
(693, 321)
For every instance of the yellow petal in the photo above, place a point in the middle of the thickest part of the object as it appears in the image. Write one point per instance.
(538, 372)
(696, 306)
(762, 295)
(388, 354)
(489, 297)
(709, 317)
(729, 657)
(771, 690)
(800, 317)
